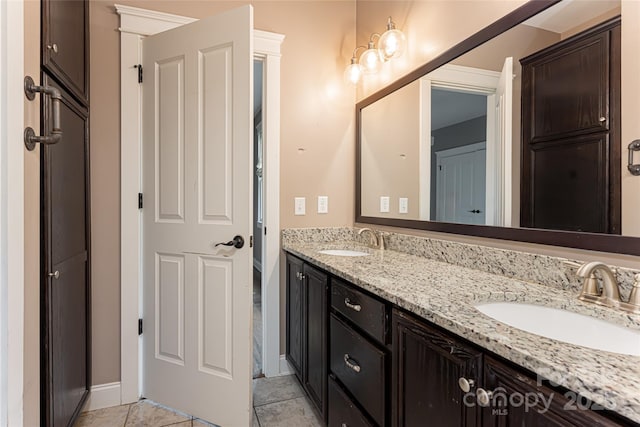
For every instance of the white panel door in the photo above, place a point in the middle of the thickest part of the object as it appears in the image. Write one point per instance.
(460, 184)
(197, 157)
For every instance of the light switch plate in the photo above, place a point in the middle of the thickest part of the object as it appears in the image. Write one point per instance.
(300, 206)
(323, 204)
(403, 205)
(384, 204)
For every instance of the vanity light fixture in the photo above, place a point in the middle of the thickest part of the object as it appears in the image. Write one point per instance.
(391, 44)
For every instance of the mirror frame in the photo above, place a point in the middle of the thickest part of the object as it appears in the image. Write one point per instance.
(591, 241)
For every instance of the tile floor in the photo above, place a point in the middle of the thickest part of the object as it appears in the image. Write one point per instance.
(278, 402)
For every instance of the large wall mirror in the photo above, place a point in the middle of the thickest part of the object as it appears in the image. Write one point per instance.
(512, 134)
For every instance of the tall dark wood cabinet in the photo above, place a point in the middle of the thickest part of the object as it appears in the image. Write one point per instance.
(571, 133)
(65, 216)
(427, 368)
(306, 328)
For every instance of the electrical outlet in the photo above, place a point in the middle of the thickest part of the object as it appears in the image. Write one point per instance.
(403, 205)
(323, 204)
(300, 206)
(384, 204)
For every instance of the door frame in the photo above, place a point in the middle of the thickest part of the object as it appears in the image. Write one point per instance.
(135, 24)
(12, 156)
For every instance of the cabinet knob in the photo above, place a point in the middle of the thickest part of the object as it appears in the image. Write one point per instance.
(484, 397)
(55, 274)
(465, 384)
(602, 119)
(53, 47)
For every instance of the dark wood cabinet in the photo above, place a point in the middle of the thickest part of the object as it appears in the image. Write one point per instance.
(520, 400)
(66, 272)
(427, 365)
(294, 314)
(316, 287)
(571, 134)
(65, 44)
(306, 330)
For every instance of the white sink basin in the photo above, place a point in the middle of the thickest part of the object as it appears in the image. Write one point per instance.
(343, 252)
(563, 325)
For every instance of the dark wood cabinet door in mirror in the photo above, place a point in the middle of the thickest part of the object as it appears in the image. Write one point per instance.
(65, 44)
(65, 275)
(427, 365)
(571, 134)
(519, 400)
(294, 314)
(316, 285)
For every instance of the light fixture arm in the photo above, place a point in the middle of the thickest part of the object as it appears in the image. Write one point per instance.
(354, 58)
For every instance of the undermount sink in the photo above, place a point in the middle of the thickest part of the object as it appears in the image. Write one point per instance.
(567, 326)
(343, 252)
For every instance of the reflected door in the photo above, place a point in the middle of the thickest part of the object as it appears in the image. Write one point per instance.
(197, 130)
(460, 184)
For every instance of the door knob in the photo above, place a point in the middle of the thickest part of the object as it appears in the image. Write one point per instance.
(465, 384)
(237, 242)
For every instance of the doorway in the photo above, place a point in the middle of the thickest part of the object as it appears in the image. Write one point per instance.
(258, 214)
(136, 24)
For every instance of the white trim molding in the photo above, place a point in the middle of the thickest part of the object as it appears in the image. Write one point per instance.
(11, 213)
(285, 367)
(135, 24)
(103, 396)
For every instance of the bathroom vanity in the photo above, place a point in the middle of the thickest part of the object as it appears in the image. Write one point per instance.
(395, 339)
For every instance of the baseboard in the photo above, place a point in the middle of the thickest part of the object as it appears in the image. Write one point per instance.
(285, 367)
(103, 396)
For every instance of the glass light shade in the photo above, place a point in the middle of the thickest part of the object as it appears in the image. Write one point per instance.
(370, 61)
(392, 44)
(353, 73)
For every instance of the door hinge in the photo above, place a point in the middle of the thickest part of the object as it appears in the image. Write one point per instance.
(250, 241)
(139, 67)
(140, 201)
(139, 326)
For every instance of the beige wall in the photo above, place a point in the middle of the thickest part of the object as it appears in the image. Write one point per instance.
(317, 150)
(390, 156)
(32, 224)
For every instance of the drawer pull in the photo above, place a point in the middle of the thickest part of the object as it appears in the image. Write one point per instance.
(351, 363)
(352, 306)
(344, 425)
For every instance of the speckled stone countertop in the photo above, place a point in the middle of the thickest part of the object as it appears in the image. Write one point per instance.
(445, 294)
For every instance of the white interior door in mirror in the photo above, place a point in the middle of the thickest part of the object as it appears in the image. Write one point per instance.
(460, 189)
(197, 133)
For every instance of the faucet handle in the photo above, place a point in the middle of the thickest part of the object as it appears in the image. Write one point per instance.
(634, 297)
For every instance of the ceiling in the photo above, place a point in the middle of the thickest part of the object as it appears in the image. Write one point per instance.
(450, 107)
(570, 14)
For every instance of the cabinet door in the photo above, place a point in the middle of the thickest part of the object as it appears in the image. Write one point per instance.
(65, 44)
(518, 400)
(295, 314)
(315, 365)
(66, 244)
(427, 365)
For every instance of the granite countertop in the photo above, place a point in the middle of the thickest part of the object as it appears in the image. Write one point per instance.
(445, 294)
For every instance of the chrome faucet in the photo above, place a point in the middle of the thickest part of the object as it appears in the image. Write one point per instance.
(376, 239)
(609, 296)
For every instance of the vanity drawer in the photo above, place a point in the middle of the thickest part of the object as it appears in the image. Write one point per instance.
(365, 311)
(342, 411)
(360, 366)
